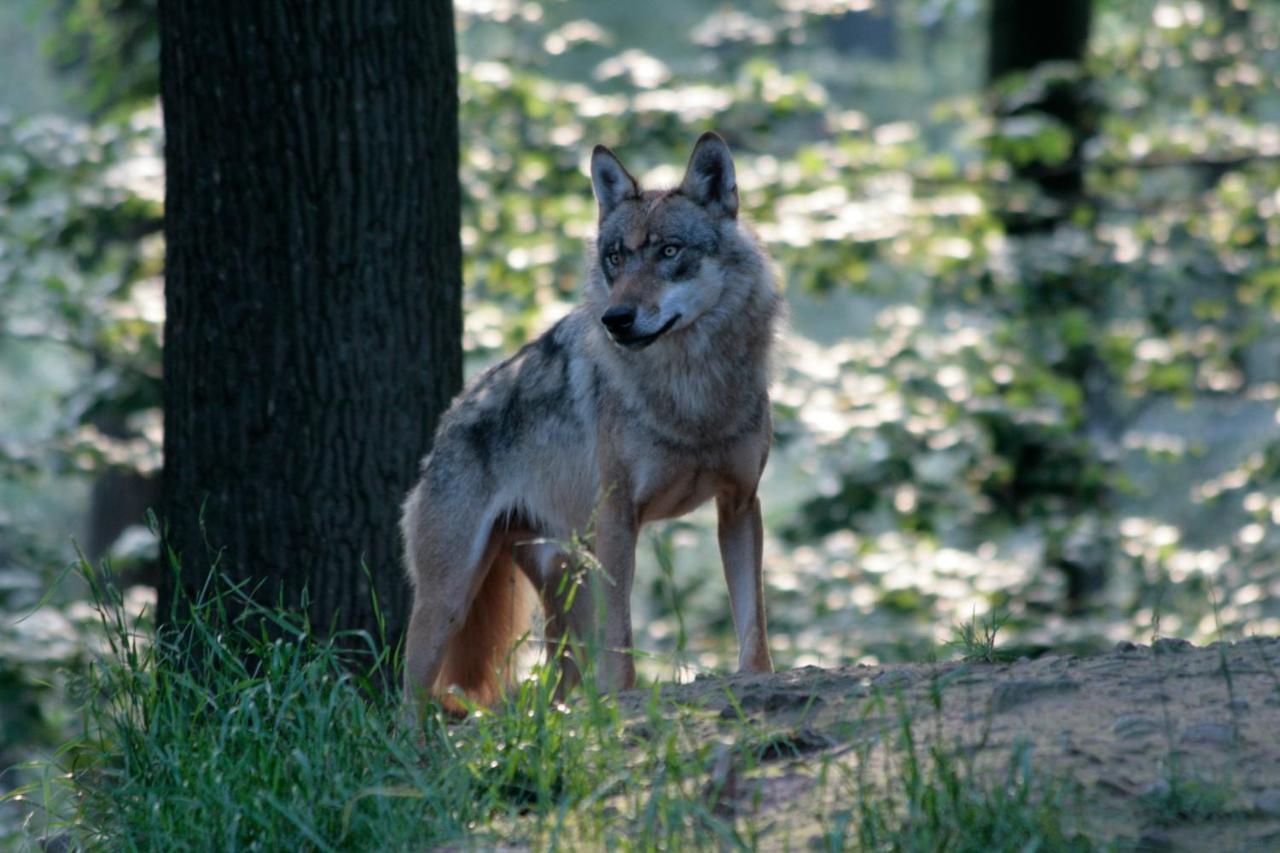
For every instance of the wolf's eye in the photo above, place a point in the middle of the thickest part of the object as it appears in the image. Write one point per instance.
(670, 251)
(614, 259)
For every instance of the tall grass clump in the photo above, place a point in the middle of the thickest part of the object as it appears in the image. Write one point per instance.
(925, 794)
(243, 729)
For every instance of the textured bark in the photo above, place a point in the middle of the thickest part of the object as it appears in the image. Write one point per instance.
(313, 290)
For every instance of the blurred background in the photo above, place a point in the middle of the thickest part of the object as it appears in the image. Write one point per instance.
(1031, 251)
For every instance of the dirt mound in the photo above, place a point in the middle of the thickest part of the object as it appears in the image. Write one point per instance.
(1167, 746)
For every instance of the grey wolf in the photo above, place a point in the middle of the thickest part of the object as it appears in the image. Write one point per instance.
(643, 403)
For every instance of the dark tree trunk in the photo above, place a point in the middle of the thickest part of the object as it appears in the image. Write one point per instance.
(1023, 36)
(313, 290)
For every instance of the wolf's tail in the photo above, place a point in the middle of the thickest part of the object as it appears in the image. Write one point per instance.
(480, 659)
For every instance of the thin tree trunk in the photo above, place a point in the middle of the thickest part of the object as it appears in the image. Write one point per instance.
(1024, 35)
(313, 290)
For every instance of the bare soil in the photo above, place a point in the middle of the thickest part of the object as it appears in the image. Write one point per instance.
(1163, 747)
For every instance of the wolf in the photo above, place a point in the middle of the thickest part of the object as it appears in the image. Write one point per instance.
(646, 401)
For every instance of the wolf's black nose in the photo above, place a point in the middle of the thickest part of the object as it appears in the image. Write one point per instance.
(619, 318)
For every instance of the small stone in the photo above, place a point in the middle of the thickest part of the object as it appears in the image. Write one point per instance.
(891, 678)
(1154, 840)
(857, 691)
(1135, 725)
(1125, 646)
(1157, 790)
(637, 733)
(1210, 733)
(1267, 801)
(1170, 646)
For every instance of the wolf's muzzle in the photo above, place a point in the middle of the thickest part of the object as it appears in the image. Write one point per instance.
(619, 319)
(621, 328)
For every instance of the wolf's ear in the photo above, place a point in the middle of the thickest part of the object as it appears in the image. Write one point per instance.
(710, 179)
(611, 181)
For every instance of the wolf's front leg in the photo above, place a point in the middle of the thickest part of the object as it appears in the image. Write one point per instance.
(617, 529)
(741, 534)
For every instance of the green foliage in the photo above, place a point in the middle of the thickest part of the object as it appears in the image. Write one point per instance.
(80, 279)
(994, 391)
(1182, 798)
(946, 805)
(114, 45)
(969, 412)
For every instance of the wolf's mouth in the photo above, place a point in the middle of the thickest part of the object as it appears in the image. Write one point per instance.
(642, 341)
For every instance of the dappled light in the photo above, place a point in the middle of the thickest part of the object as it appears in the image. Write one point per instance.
(929, 352)
(1031, 368)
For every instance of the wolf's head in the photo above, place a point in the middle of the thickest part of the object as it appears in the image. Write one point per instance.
(662, 258)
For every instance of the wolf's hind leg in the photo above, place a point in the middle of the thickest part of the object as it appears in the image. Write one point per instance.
(566, 604)
(450, 562)
(441, 600)
(479, 659)
(424, 650)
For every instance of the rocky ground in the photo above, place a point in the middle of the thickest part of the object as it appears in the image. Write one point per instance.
(1163, 747)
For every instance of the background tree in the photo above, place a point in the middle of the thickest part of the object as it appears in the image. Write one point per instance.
(1040, 86)
(1048, 42)
(313, 291)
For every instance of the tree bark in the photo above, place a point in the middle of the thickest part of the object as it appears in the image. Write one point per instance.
(1024, 35)
(313, 291)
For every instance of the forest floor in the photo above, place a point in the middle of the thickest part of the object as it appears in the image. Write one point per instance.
(1163, 747)
(1144, 748)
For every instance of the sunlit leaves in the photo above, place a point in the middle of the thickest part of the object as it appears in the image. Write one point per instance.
(968, 397)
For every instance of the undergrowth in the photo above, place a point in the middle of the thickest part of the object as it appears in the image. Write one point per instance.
(244, 730)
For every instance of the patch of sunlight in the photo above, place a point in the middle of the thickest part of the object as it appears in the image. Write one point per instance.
(689, 103)
(1155, 442)
(483, 323)
(642, 69)
(725, 26)
(574, 33)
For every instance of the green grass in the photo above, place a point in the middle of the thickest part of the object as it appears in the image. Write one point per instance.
(249, 732)
(925, 794)
(1180, 797)
(975, 639)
